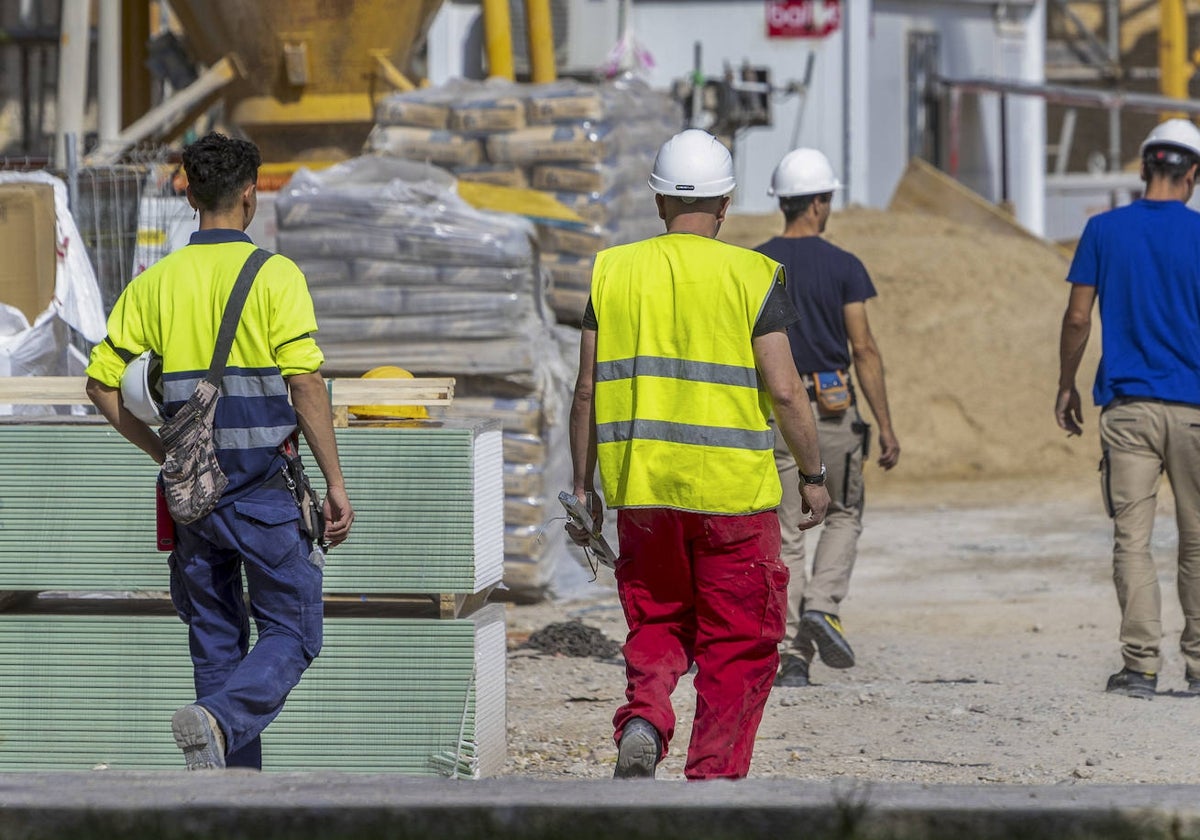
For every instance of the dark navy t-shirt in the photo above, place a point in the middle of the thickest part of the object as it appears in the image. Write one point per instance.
(821, 280)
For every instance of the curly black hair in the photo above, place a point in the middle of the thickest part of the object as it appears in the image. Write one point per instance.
(218, 169)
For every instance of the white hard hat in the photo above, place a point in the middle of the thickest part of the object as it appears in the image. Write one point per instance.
(141, 387)
(1181, 134)
(693, 163)
(803, 172)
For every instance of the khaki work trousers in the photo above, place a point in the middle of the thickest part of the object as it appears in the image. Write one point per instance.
(841, 439)
(1141, 440)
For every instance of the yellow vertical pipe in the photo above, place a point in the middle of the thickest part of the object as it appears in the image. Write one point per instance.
(541, 41)
(1173, 66)
(497, 33)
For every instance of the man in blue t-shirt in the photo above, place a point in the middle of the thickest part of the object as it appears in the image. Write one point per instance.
(830, 288)
(1142, 262)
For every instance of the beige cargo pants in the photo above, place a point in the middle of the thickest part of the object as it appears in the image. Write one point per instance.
(1141, 440)
(841, 440)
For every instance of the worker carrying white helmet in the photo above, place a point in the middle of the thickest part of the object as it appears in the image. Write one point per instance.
(693, 164)
(141, 388)
(803, 172)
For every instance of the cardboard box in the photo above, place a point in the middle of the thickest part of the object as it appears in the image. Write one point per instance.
(27, 242)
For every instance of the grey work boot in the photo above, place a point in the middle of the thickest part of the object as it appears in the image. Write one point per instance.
(793, 673)
(199, 736)
(825, 631)
(638, 754)
(1133, 684)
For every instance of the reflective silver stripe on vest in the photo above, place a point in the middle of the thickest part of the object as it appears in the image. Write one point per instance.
(267, 437)
(709, 372)
(233, 385)
(624, 430)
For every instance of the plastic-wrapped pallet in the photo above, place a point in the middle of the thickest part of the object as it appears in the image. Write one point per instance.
(590, 145)
(404, 272)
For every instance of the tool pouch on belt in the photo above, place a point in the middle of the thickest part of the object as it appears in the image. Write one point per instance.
(832, 389)
(312, 514)
(191, 476)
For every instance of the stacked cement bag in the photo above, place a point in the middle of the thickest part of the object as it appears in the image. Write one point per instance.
(589, 145)
(403, 272)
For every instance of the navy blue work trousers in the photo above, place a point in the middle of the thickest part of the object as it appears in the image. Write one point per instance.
(244, 688)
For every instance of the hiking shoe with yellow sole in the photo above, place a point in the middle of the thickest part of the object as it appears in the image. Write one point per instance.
(638, 754)
(793, 673)
(198, 735)
(825, 631)
(1133, 684)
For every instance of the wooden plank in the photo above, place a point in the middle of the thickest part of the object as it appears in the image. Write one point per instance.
(43, 390)
(69, 390)
(422, 391)
(461, 605)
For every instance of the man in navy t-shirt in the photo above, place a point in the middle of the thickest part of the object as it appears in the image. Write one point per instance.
(830, 288)
(1142, 262)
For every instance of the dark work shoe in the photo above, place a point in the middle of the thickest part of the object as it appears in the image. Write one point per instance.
(637, 756)
(198, 735)
(825, 631)
(1132, 684)
(793, 673)
(1193, 685)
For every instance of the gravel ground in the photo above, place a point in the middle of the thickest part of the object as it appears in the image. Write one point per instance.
(984, 622)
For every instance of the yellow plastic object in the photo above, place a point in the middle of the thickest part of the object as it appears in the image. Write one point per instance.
(524, 202)
(389, 412)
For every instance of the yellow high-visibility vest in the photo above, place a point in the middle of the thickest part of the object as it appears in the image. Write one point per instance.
(681, 415)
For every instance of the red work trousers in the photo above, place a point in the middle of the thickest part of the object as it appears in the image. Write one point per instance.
(711, 590)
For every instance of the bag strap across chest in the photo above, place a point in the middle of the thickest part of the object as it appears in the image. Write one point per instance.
(233, 314)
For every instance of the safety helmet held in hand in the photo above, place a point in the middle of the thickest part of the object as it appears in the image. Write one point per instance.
(693, 163)
(1177, 133)
(141, 387)
(803, 172)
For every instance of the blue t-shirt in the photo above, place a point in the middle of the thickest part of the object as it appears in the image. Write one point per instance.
(1144, 260)
(821, 280)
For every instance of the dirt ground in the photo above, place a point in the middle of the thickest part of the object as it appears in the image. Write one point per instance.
(984, 623)
(982, 610)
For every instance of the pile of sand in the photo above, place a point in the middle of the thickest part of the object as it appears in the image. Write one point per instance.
(968, 322)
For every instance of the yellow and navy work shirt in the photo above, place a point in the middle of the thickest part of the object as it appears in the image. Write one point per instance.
(174, 308)
(681, 413)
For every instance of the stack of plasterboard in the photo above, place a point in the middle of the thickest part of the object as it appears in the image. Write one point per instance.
(94, 668)
(412, 696)
(77, 510)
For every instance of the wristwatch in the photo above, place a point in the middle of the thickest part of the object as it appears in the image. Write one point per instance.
(818, 479)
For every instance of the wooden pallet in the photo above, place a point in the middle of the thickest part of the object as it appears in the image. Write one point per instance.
(442, 606)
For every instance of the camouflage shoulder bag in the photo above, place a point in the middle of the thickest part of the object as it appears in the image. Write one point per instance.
(192, 478)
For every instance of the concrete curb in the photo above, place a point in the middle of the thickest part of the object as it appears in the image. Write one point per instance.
(233, 805)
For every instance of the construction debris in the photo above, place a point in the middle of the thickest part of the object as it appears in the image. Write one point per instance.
(573, 638)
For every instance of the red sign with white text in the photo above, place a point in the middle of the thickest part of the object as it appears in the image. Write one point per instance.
(803, 18)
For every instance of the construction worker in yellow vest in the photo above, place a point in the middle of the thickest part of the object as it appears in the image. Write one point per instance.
(684, 355)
